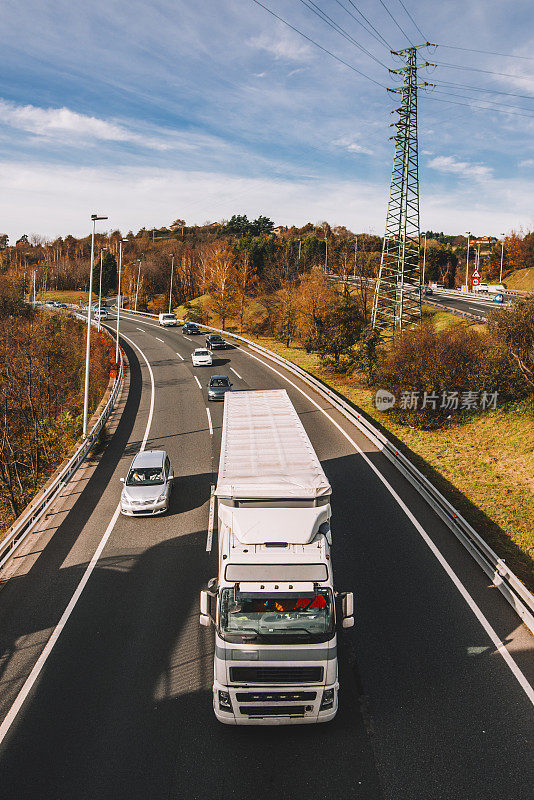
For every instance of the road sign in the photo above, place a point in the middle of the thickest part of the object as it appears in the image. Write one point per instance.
(475, 281)
(476, 274)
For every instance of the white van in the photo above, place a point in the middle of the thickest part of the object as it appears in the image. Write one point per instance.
(167, 319)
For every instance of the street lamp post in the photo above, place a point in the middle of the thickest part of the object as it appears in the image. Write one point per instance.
(119, 301)
(424, 259)
(300, 246)
(137, 287)
(94, 218)
(100, 287)
(355, 253)
(326, 255)
(170, 290)
(467, 263)
(502, 257)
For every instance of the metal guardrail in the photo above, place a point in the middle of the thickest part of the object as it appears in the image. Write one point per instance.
(517, 595)
(39, 506)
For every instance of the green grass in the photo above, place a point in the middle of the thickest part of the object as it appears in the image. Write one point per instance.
(520, 279)
(70, 296)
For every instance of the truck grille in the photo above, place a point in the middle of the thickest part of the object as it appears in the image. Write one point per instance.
(272, 711)
(276, 674)
(275, 697)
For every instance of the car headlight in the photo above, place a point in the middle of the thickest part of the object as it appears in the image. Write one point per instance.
(328, 699)
(225, 704)
(162, 496)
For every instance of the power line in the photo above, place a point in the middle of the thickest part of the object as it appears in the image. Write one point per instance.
(338, 29)
(481, 89)
(492, 103)
(414, 22)
(487, 52)
(312, 41)
(487, 71)
(479, 108)
(355, 7)
(395, 21)
(378, 36)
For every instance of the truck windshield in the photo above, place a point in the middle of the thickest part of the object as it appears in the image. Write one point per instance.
(293, 618)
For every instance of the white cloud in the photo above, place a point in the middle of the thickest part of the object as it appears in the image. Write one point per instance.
(449, 164)
(352, 146)
(64, 125)
(285, 46)
(528, 162)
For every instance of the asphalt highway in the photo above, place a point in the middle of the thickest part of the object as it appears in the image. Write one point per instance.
(436, 675)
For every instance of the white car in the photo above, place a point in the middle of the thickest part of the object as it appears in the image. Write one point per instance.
(167, 319)
(201, 357)
(101, 313)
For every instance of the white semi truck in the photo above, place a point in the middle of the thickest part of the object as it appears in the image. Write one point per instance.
(273, 604)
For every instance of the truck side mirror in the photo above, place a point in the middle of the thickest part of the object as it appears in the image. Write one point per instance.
(347, 605)
(121, 480)
(205, 617)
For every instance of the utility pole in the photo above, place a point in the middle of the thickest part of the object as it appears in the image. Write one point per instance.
(122, 241)
(137, 287)
(94, 219)
(355, 253)
(300, 245)
(170, 290)
(100, 287)
(393, 306)
(326, 255)
(424, 260)
(467, 263)
(502, 257)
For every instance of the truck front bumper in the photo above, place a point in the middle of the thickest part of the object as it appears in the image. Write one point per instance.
(280, 705)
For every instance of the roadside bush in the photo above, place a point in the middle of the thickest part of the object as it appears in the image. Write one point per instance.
(436, 376)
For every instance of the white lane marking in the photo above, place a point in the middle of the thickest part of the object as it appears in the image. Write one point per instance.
(197, 380)
(211, 519)
(41, 661)
(236, 373)
(140, 329)
(500, 647)
(209, 421)
(179, 356)
(187, 337)
(159, 340)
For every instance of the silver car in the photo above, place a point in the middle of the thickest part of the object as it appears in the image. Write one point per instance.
(147, 487)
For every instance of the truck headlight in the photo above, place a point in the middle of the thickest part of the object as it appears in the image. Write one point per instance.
(161, 498)
(328, 699)
(225, 704)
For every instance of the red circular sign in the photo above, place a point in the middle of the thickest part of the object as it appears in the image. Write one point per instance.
(475, 281)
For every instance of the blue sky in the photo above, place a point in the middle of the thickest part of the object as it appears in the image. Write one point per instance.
(201, 109)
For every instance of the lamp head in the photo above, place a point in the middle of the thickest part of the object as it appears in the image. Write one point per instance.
(95, 217)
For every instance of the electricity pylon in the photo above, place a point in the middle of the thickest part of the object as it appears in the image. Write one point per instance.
(397, 298)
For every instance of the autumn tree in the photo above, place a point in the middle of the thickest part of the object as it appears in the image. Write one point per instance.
(316, 297)
(245, 280)
(221, 281)
(513, 327)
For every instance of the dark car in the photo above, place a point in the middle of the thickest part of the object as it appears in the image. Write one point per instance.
(428, 291)
(191, 329)
(218, 386)
(215, 342)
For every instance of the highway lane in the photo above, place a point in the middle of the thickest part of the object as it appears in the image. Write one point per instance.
(428, 708)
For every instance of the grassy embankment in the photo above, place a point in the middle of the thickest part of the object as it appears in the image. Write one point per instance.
(520, 279)
(484, 465)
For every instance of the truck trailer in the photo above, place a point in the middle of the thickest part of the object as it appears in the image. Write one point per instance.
(273, 604)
